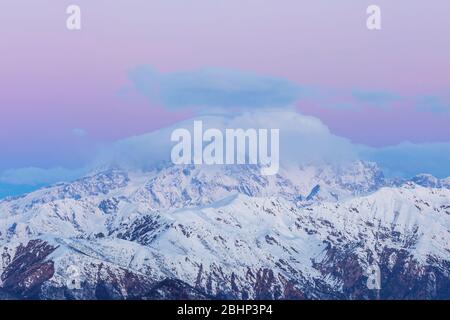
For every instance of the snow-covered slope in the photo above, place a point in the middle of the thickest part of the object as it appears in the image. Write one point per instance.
(226, 231)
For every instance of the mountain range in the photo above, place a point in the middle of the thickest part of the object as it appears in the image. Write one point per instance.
(227, 232)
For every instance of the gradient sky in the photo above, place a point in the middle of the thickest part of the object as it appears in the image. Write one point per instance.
(61, 91)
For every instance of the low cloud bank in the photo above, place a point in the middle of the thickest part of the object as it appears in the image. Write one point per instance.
(303, 140)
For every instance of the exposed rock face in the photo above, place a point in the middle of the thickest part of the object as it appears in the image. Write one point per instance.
(174, 289)
(28, 270)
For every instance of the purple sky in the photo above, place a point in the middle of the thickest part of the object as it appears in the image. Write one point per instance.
(55, 83)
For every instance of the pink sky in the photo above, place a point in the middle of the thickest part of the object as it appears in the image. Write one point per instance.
(53, 80)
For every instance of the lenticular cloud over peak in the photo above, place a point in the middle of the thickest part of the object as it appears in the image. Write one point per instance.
(214, 88)
(239, 150)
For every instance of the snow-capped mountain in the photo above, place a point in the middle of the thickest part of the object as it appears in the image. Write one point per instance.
(202, 232)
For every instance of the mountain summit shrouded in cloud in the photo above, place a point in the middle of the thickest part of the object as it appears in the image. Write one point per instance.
(231, 99)
(303, 140)
(215, 232)
(94, 203)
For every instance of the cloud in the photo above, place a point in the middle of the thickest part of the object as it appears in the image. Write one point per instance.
(259, 102)
(303, 140)
(434, 104)
(214, 88)
(375, 98)
(408, 159)
(339, 99)
(32, 176)
(8, 190)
